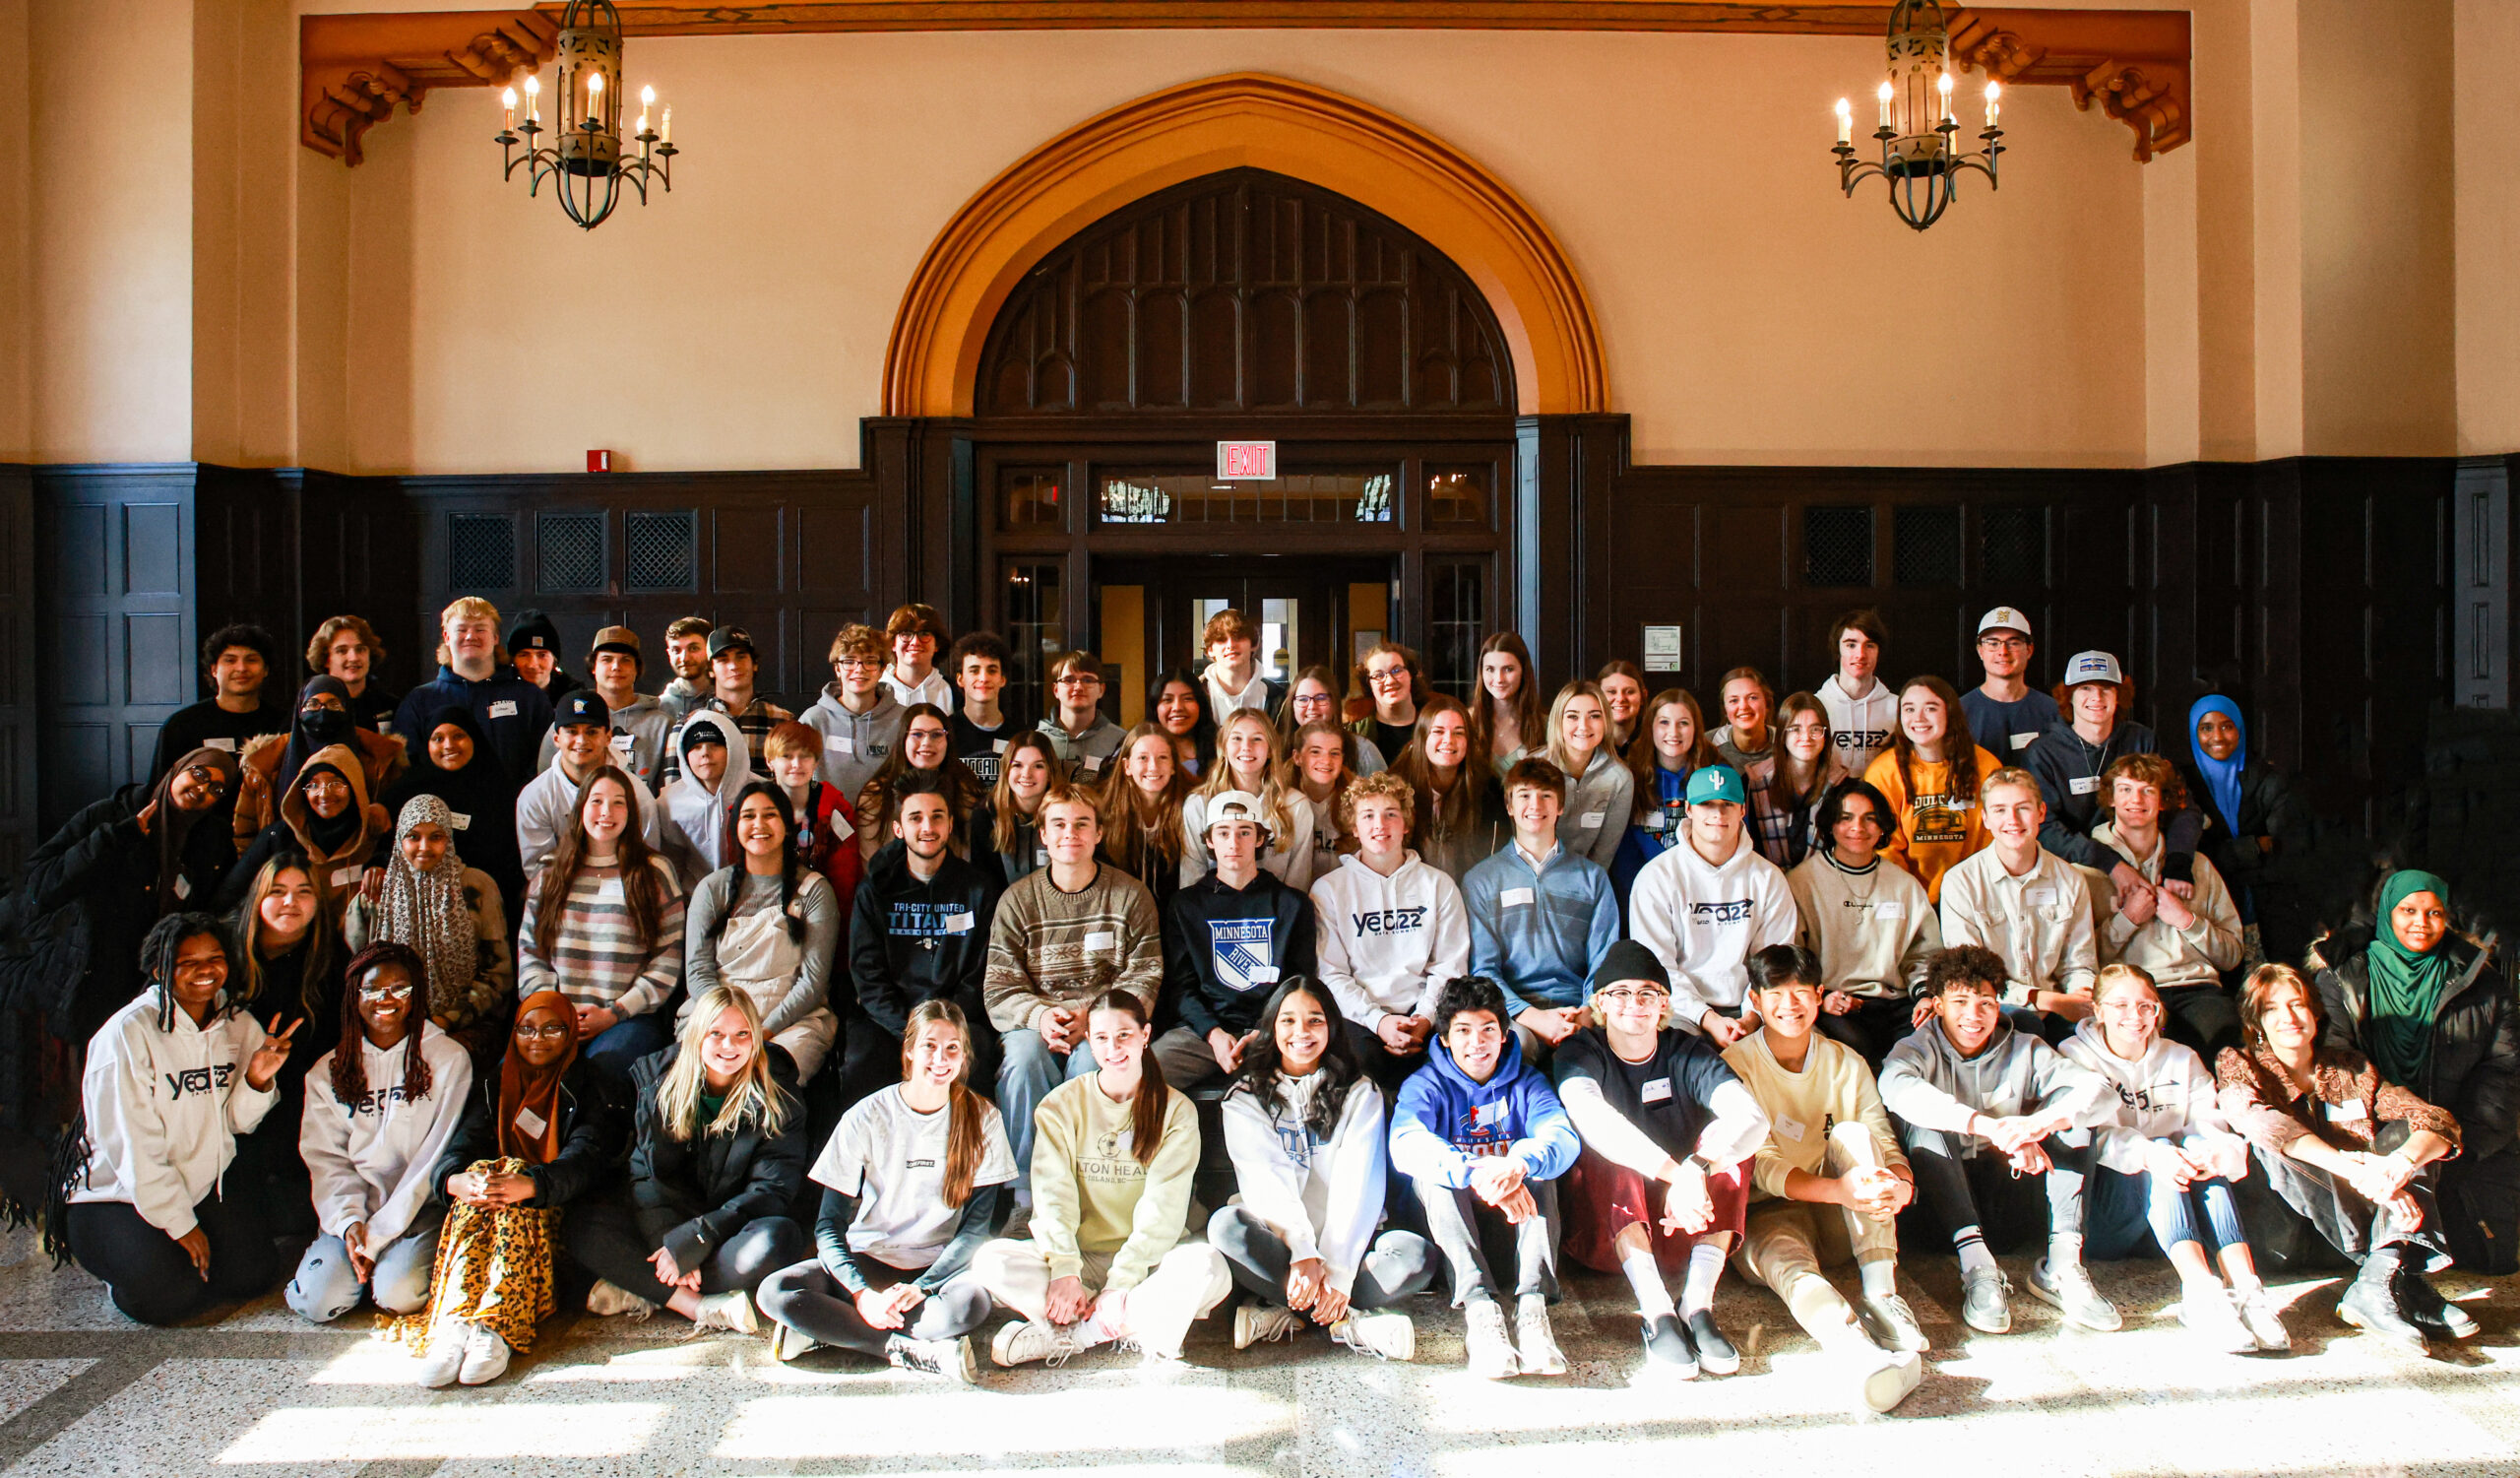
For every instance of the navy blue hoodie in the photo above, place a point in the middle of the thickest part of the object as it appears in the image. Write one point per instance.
(1226, 948)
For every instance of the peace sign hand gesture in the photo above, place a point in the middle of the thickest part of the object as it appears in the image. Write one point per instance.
(271, 1056)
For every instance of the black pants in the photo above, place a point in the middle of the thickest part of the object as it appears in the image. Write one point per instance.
(150, 1275)
(807, 1299)
(607, 1240)
(1387, 1068)
(1486, 1253)
(2299, 1217)
(2481, 1209)
(1399, 1265)
(1873, 1027)
(2202, 1017)
(1981, 1190)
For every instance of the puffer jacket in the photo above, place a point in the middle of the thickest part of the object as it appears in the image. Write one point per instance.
(2475, 1067)
(381, 759)
(692, 1196)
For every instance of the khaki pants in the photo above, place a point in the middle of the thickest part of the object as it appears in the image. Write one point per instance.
(1788, 1243)
(1191, 1280)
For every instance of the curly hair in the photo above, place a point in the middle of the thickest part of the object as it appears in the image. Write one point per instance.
(157, 960)
(350, 1060)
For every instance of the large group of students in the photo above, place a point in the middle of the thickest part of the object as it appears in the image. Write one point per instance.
(853, 1027)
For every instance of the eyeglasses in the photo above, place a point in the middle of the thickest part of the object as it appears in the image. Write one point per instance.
(859, 664)
(2005, 643)
(1387, 675)
(373, 990)
(1078, 679)
(207, 777)
(1624, 997)
(543, 1033)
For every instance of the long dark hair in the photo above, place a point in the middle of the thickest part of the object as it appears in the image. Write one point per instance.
(1140, 843)
(791, 867)
(1439, 816)
(1262, 1070)
(877, 798)
(1146, 1109)
(1959, 745)
(349, 1059)
(1529, 716)
(641, 887)
(1202, 734)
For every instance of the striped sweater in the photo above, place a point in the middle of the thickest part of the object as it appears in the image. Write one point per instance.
(1047, 948)
(596, 960)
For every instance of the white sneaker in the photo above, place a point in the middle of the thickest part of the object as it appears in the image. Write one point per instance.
(1889, 1377)
(2208, 1314)
(1026, 1340)
(2264, 1320)
(1540, 1355)
(950, 1358)
(1254, 1323)
(786, 1342)
(1491, 1354)
(486, 1357)
(449, 1339)
(2071, 1290)
(1384, 1336)
(1891, 1324)
(1985, 1302)
(730, 1310)
(605, 1300)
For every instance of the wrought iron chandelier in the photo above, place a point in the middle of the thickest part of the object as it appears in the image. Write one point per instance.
(585, 160)
(1919, 134)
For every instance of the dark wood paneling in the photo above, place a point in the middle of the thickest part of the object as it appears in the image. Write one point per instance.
(18, 698)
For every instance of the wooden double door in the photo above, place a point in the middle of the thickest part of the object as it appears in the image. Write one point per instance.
(1309, 609)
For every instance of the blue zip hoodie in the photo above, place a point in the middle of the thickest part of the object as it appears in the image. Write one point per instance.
(1444, 1123)
(1538, 934)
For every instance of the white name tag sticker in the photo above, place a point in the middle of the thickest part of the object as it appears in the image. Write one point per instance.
(1658, 821)
(2024, 740)
(531, 1123)
(1090, 764)
(505, 708)
(959, 922)
(1040, 857)
(1592, 820)
(1889, 908)
(342, 877)
(1102, 938)
(2349, 1112)
(998, 747)
(621, 743)
(1792, 1128)
(183, 886)
(2083, 785)
(2042, 894)
(1263, 975)
(839, 743)
(227, 744)
(462, 819)
(1514, 898)
(610, 891)
(1657, 1090)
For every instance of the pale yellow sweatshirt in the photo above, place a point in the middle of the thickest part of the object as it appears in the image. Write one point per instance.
(1834, 1087)
(1090, 1194)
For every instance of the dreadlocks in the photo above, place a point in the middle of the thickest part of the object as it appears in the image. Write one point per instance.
(349, 1059)
(157, 950)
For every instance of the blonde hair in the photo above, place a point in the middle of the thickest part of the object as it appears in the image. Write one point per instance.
(468, 608)
(2122, 974)
(1556, 750)
(1273, 786)
(754, 1097)
(1387, 784)
(792, 738)
(2013, 775)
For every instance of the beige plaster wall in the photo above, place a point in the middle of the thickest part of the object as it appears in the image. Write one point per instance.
(2488, 250)
(17, 295)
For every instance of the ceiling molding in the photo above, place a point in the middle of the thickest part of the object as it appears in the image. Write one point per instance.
(2134, 64)
(353, 69)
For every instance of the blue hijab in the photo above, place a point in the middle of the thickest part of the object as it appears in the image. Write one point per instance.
(2221, 776)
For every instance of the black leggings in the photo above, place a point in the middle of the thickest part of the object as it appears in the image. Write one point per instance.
(1981, 1190)
(150, 1275)
(1388, 1070)
(807, 1299)
(1873, 1027)
(1397, 1267)
(607, 1240)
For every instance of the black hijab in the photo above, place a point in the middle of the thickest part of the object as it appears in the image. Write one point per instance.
(330, 835)
(480, 793)
(198, 845)
(307, 734)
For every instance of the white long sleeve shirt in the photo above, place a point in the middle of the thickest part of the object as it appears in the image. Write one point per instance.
(370, 1161)
(1702, 922)
(1324, 1199)
(2039, 923)
(165, 1109)
(1386, 946)
(2166, 1094)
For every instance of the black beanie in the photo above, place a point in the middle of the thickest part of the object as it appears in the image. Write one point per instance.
(1629, 960)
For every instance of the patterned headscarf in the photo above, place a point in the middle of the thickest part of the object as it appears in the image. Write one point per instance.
(427, 910)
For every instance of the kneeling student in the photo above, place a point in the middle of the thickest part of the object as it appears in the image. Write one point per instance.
(1654, 1104)
(1234, 934)
(910, 1184)
(1483, 1139)
(1829, 1143)
(1304, 1126)
(1983, 1108)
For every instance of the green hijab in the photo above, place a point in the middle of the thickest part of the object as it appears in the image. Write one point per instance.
(2406, 984)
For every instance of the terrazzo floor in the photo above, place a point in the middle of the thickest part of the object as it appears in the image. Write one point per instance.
(84, 1393)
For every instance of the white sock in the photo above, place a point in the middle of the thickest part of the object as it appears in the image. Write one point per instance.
(2245, 1282)
(1103, 1324)
(2064, 1251)
(1652, 1300)
(1881, 1277)
(1970, 1244)
(1706, 1264)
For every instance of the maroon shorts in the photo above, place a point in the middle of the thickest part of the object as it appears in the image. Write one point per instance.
(1598, 1200)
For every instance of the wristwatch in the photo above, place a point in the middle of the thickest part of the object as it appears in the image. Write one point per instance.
(1705, 1165)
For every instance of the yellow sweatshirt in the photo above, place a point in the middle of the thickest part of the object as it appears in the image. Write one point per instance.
(1834, 1087)
(1090, 1194)
(1936, 828)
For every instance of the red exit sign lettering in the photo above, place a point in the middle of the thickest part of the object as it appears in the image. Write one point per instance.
(1246, 461)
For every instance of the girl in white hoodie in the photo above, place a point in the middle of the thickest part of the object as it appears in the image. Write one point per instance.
(379, 1109)
(2166, 1156)
(171, 1080)
(1304, 1127)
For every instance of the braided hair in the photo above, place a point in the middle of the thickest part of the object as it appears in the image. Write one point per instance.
(157, 962)
(349, 1059)
(791, 867)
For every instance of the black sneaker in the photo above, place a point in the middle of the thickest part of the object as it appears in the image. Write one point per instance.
(1714, 1353)
(1667, 1350)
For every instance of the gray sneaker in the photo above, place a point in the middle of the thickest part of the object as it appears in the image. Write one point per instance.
(1889, 1322)
(2071, 1290)
(1985, 1301)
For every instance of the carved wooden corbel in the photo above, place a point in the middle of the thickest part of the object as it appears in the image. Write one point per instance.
(354, 68)
(2134, 64)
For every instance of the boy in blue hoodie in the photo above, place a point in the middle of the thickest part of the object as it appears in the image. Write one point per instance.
(1540, 917)
(1483, 1139)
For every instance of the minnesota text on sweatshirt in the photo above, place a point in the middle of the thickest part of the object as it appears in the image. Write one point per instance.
(1538, 931)
(1704, 920)
(165, 1109)
(1927, 1082)
(596, 961)
(911, 941)
(1090, 1194)
(1047, 948)
(1862, 725)
(542, 811)
(371, 1161)
(1936, 828)
(855, 745)
(2165, 1094)
(1226, 948)
(2196, 955)
(1680, 1100)
(1445, 1122)
(1834, 1087)
(1872, 928)
(1323, 1197)
(1598, 802)
(1386, 946)
(2039, 923)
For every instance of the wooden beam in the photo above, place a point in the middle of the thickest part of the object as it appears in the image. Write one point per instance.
(353, 69)
(2136, 64)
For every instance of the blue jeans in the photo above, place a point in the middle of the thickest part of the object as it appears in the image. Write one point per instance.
(1025, 1074)
(625, 1042)
(2119, 1208)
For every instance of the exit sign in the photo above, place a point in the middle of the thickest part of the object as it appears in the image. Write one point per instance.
(1246, 461)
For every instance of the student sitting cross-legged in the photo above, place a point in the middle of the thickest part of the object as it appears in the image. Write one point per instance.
(911, 1181)
(1305, 1128)
(1983, 1110)
(1829, 1145)
(1483, 1139)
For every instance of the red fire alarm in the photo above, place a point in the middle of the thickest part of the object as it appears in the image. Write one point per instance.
(600, 460)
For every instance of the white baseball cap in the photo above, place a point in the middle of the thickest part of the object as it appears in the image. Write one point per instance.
(2003, 619)
(1237, 805)
(2092, 666)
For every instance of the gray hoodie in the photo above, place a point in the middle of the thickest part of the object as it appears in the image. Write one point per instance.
(1595, 819)
(1929, 1085)
(855, 745)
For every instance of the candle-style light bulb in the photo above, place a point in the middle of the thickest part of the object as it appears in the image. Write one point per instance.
(669, 125)
(1846, 120)
(1944, 86)
(532, 97)
(594, 83)
(507, 104)
(647, 97)
(1995, 90)
(1887, 92)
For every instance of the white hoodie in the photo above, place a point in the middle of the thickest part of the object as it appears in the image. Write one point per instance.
(165, 1109)
(1386, 946)
(1324, 1199)
(2167, 1094)
(1703, 922)
(371, 1162)
(699, 824)
(1861, 727)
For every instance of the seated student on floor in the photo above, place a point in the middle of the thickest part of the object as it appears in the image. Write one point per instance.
(536, 1138)
(605, 929)
(1233, 935)
(1828, 1143)
(1705, 906)
(1867, 920)
(171, 1080)
(289, 960)
(2027, 905)
(717, 1157)
(1112, 1167)
(772, 930)
(2163, 1156)
(919, 933)
(910, 1184)
(1390, 931)
(2346, 1157)
(1306, 1129)
(1655, 1108)
(1982, 1111)
(380, 1107)
(2183, 943)
(1541, 914)
(1483, 1139)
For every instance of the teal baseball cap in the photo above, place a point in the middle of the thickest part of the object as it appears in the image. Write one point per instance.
(1712, 783)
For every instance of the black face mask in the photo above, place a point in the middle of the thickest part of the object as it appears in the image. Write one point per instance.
(324, 726)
